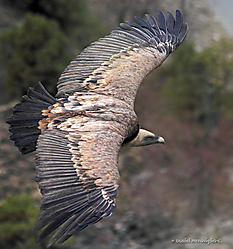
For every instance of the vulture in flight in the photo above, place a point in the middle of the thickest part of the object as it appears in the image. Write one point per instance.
(78, 134)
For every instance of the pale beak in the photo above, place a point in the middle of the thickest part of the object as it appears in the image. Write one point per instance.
(160, 140)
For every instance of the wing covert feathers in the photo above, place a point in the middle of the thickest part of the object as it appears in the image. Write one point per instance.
(77, 174)
(144, 45)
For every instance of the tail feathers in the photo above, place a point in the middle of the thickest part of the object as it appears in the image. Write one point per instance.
(25, 118)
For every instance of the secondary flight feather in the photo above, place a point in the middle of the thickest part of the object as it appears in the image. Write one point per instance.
(78, 134)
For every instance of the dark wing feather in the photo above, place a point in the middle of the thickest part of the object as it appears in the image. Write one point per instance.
(77, 174)
(162, 22)
(170, 23)
(129, 52)
(154, 24)
(183, 33)
(178, 23)
(137, 31)
(145, 25)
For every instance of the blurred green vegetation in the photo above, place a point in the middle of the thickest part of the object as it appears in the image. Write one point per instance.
(198, 83)
(67, 13)
(17, 220)
(72, 16)
(42, 46)
(18, 216)
(35, 51)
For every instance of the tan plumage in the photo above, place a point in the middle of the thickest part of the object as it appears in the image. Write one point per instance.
(78, 135)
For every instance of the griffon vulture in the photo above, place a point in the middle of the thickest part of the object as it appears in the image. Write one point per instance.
(78, 135)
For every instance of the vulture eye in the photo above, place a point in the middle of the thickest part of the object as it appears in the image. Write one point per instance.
(149, 138)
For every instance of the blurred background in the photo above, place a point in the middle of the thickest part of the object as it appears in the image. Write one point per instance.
(181, 190)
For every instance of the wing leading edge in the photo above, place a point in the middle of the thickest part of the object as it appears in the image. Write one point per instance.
(116, 64)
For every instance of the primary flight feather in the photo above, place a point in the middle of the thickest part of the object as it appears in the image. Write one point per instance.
(78, 135)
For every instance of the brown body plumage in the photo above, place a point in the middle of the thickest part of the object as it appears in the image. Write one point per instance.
(78, 135)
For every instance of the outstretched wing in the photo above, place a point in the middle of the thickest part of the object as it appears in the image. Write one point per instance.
(77, 153)
(117, 64)
(77, 173)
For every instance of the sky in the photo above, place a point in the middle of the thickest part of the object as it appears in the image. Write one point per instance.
(224, 13)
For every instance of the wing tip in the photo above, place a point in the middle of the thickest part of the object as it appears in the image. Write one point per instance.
(97, 204)
(162, 28)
